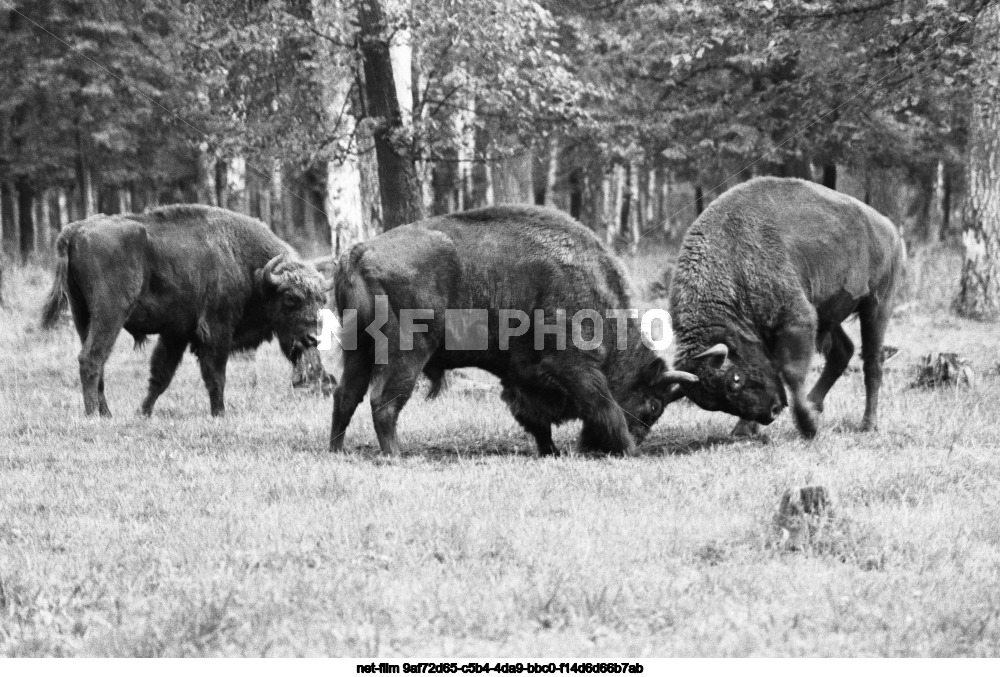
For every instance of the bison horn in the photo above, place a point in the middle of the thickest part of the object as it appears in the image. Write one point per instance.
(719, 350)
(272, 269)
(677, 376)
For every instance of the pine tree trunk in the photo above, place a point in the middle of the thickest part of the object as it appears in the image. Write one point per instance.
(399, 186)
(608, 206)
(26, 217)
(699, 200)
(979, 292)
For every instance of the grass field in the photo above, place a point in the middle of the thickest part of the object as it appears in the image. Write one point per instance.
(184, 535)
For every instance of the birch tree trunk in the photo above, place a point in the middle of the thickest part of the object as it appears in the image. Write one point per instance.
(979, 291)
(608, 207)
(633, 206)
(936, 212)
(43, 223)
(552, 174)
(63, 202)
(619, 201)
(237, 198)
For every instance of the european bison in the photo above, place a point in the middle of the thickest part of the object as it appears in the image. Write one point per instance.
(766, 275)
(198, 276)
(508, 263)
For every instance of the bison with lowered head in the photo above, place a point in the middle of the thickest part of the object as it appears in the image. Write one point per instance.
(506, 262)
(766, 275)
(200, 277)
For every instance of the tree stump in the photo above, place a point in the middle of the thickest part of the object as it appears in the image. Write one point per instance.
(801, 515)
(941, 369)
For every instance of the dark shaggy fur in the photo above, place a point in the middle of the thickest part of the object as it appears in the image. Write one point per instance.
(500, 258)
(192, 274)
(770, 271)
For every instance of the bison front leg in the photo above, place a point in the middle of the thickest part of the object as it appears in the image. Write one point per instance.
(391, 390)
(162, 366)
(542, 432)
(874, 322)
(795, 346)
(837, 359)
(212, 360)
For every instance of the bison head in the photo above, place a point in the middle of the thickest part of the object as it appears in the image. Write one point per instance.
(654, 388)
(293, 293)
(737, 377)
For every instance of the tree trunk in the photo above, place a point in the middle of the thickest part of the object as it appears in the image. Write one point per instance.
(633, 207)
(979, 292)
(399, 185)
(935, 216)
(371, 202)
(513, 181)
(63, 202)
(552, 173)
(576, 193)
(608, 206)
(237, 198)
(619, 203)
(666, 215)
(699, 200)
(26, 217)
(276, 216)
(830, 176)
(85, 187)
(8, 218)
(43, 221)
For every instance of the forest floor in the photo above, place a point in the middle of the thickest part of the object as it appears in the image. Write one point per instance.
(185, 535)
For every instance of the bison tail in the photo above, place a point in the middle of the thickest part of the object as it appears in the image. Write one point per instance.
(58, 298)
(438, 381)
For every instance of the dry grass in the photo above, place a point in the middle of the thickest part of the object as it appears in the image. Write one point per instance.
(183, 535)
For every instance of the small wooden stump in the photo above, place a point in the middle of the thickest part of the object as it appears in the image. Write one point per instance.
(941, 369)
(802, 513)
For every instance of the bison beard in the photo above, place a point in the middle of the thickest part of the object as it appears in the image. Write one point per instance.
(501, 258)
(766, 275)
(200, 277)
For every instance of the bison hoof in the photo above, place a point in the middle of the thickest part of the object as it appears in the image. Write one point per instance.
(805, 419)
(869, 426)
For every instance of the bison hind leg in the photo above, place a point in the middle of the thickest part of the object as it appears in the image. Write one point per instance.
(392, 387)
(349, 393)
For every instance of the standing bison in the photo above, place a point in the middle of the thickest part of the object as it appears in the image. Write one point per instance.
(766, 275)
(502, 268)
(203, 277)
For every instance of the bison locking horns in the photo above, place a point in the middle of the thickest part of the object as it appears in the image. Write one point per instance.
(203, 277)
(503, 263)
(766, 275)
